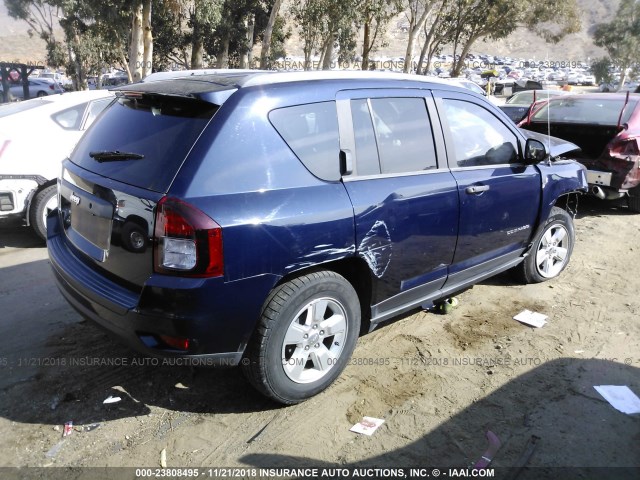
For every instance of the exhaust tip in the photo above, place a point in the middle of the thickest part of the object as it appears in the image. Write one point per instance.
(598, 192)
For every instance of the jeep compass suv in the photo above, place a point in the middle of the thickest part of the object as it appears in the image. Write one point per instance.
(266, 219)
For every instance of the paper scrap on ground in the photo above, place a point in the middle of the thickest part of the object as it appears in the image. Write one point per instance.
(111, 399)
(68, 429)
(620, 397)
(367, 425)
(534, 319)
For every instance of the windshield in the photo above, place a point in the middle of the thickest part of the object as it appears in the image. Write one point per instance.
(159, 128)
(593, 111)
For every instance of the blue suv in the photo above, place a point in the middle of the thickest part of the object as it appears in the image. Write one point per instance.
(267, 219)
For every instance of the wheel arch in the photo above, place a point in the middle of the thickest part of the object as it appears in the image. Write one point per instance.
(33, 194)
(356, 271)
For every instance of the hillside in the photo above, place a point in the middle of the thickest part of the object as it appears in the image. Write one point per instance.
(17, 45)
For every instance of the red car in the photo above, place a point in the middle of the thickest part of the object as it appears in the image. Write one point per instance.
(606, 127)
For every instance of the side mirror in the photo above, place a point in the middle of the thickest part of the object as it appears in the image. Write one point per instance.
(534, 151)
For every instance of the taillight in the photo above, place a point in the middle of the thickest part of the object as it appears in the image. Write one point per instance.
(187, 242)
(627, 146)
(51, 87)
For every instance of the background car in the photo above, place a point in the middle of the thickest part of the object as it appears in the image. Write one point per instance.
(469, 85)
(38, 87)
(606, 126)
(35, 136)
(502, 86)
(517, 105)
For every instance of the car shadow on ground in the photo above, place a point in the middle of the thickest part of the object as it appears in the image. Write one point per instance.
(555, 402)
(589, 206)
(16, 235)
(78, 368)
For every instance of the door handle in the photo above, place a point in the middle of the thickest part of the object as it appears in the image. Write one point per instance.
(475, 189)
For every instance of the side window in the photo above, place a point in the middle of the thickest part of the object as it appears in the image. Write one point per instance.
(94, 110)
(479, 138)
(403, 134)
(70, 118)
(311, 131)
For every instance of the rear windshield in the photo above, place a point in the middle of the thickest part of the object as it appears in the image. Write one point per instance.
(593, 111)
(160, 128)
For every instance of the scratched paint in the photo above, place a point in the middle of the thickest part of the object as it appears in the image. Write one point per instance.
(376, 249)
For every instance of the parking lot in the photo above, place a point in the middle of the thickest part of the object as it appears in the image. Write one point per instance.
(439, 381)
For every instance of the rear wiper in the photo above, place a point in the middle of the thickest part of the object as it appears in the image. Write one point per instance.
(115, 155)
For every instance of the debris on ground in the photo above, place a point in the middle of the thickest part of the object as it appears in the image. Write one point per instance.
(530, 318)
(111, 399)
(620, 397)
(53, 451)
(68, 429)
(367, 425)
(492, 449)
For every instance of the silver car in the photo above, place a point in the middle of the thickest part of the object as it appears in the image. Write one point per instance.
(38, 87)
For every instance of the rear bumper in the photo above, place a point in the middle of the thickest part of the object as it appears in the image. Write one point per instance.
(615, 175)
(15, 194)
(217, 317)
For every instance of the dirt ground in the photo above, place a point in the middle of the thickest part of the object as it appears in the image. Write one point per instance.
(439, 381)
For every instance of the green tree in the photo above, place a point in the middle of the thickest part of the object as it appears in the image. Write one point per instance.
(309, 16)
(374, 16)
(473, 20)
(621, 38)
(171, 38)
(268, 33)
(436, 33)
(601, 69)
(417, 12)
(205, 16)
(97, 33)
(42, 17)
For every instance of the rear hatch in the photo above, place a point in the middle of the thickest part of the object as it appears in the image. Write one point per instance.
(590, 123)
(118, 173)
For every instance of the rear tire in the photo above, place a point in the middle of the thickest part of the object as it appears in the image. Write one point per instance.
(551, 250)
(306, 334)
(44, 201)
(634, 200)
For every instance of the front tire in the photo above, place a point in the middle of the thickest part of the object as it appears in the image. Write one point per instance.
(306, 334)
(44, 201)
(551, 250)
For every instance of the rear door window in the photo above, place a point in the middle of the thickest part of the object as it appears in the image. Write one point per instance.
(403, 134)
(161, 128)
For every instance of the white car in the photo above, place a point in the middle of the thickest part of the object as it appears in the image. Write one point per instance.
(35, 137)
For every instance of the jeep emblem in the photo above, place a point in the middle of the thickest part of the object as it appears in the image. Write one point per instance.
(75, 199)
